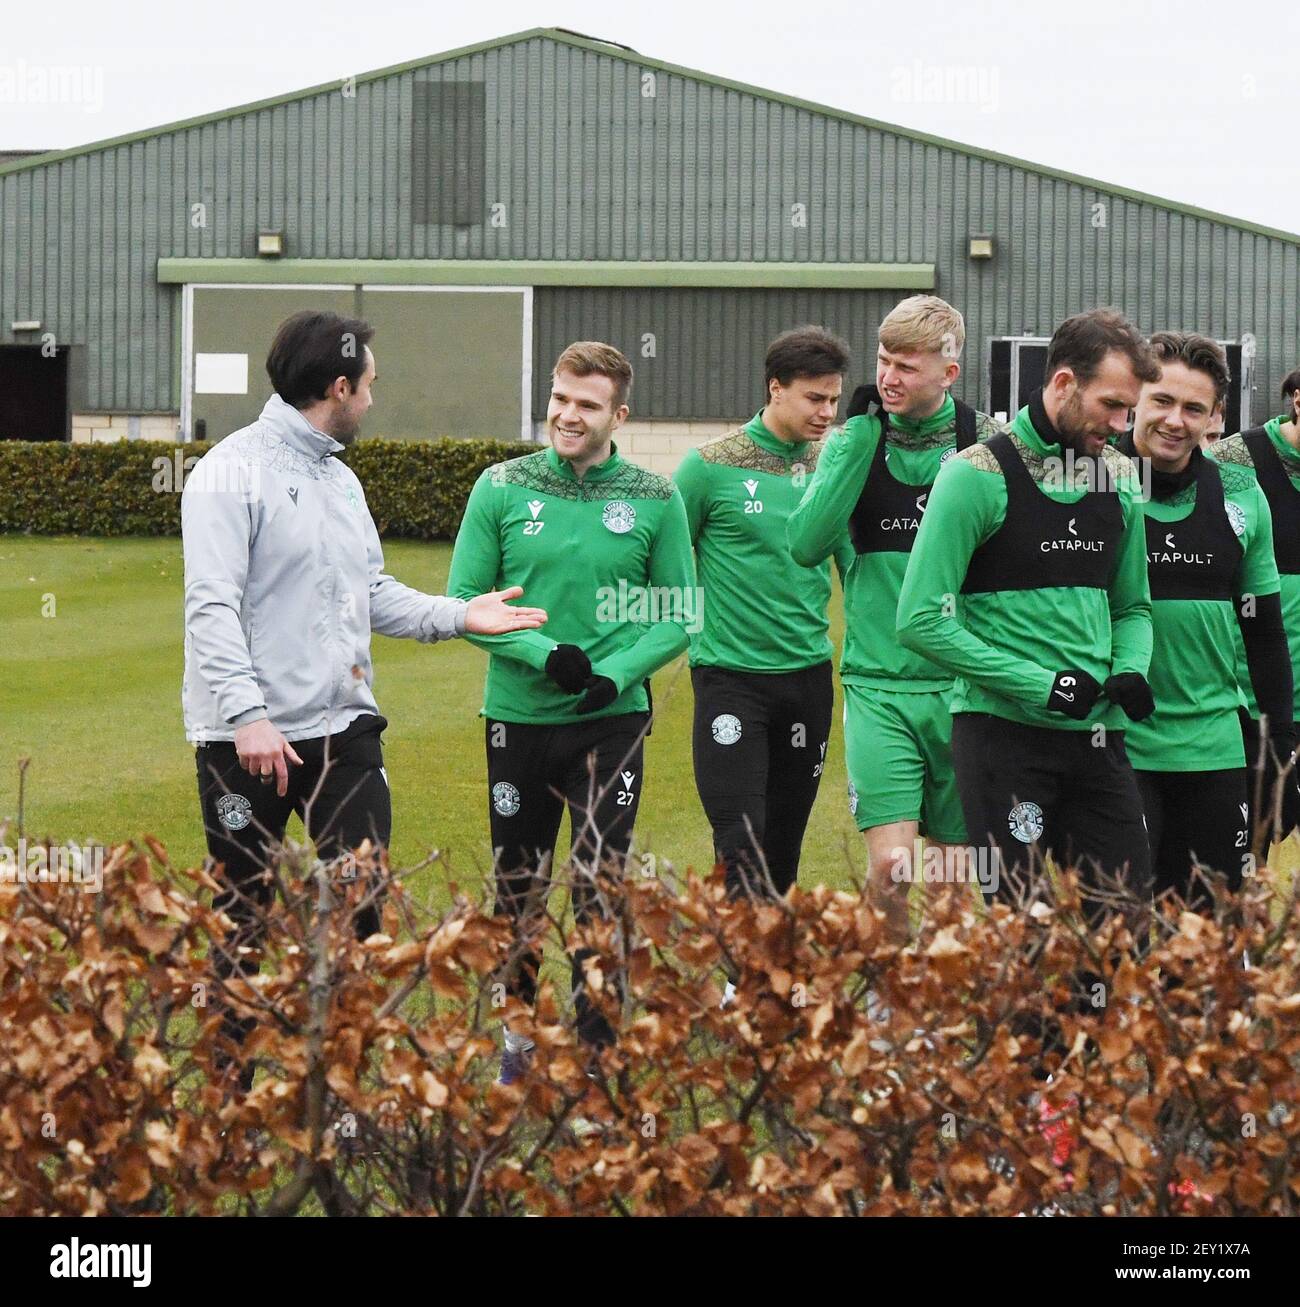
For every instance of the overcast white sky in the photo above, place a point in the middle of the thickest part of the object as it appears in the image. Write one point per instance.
(1197, 101)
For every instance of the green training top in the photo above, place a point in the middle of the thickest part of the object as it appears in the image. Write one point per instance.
(762, 611)
(1006, 647)
(1235, 451)
(914, 452)
(1193, 669)
(607, 556)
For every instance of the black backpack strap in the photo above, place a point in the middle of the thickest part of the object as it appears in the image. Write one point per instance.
(967, 426)
(862, 399)
(1256, 440)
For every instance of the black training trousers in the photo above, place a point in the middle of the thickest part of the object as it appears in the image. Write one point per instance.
(341, 794)
(1196, 817)
(760, 749)
(1070, 794)
(595, 769)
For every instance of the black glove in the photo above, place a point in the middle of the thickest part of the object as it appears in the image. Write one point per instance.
(863, 398)
(601, 692)
(1281, 745)
(1073, 693)
(1131, 691)
(569, 668)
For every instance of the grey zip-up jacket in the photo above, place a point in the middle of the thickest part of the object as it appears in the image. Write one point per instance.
(284, 582)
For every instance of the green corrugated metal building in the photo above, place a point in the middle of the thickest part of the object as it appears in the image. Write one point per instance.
(486, 206)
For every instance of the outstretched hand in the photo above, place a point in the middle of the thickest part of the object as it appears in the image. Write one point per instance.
(492, 614)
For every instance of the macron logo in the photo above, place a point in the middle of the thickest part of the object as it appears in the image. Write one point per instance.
(752, 488)
(108, 1261)
(628, 778)
(535, 506)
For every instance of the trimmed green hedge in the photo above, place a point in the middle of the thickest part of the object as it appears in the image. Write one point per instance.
(416, 489)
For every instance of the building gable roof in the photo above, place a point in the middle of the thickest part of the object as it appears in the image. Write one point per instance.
(564, 36)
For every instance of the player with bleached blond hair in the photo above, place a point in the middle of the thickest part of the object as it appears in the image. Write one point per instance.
(873, 481)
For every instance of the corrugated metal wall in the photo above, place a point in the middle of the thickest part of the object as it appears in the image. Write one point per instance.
(697, 353)
(588, 165)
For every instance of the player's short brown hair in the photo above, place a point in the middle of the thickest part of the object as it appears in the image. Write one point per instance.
(1197, 352)
(1081, 342)
(586, 358)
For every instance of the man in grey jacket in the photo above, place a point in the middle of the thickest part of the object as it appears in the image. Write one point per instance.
(284, 583)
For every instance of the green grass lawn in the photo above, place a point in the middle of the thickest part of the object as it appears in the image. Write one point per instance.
(92, 695)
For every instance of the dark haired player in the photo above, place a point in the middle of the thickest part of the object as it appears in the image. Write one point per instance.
(284, 583)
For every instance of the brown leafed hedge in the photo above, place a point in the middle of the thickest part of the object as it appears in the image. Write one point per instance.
(416, 489)
(848, 1077)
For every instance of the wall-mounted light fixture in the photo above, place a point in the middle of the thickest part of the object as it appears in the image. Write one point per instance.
(33, 325)
(270, 244)
(981, 247)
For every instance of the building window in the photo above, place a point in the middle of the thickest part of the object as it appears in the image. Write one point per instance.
(449, 152)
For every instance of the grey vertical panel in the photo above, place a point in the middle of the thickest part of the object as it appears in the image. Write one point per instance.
(1035, 262)
(756, 181)
(918, 201)
(847, 221)
(130, 321)
(1159, 254)
(738, 219)
(81, 268)
(1056, 234)
(695, 181)
(157, 354)
(311, 149)
(344, 154)
(331, 185)
(394, 215)
(727, 197)
(34, 289)
(369, 224)
(10, 229)
(371, 244)
(748, 180)
(810, 163)
(117, 320)
(268, 208)
(94, 278)
(528, 127)
(893, 202)
(227, 186)
(67, 238)
(1198, 289)
(1236, 303)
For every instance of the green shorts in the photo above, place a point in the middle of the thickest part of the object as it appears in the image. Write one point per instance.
(898, 751)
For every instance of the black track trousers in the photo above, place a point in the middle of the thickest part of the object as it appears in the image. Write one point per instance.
(1196, 817)
(1031, 788)
(242, 817)
(595, 769)
(760, 750)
